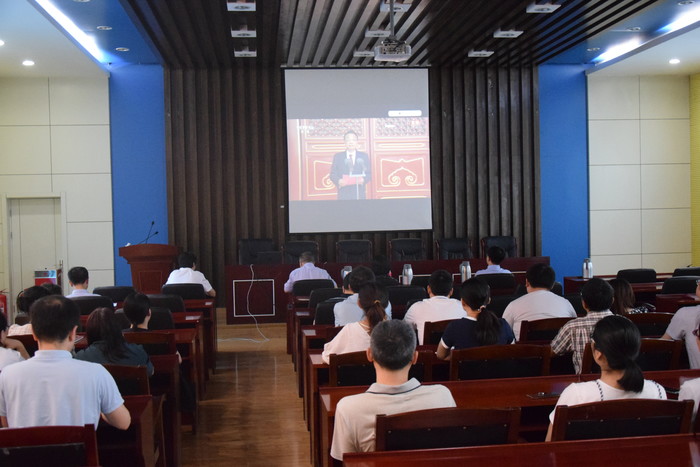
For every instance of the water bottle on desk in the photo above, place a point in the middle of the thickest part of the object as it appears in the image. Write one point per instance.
(465, 270)
(407, 275)
(587, 269)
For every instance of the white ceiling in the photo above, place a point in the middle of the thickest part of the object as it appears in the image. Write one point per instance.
(29, 35)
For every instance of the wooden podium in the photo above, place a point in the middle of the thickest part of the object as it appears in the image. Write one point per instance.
(151, 264)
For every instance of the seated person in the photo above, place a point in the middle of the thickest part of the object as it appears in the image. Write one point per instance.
(54, 289)
(381, 267)
(682, 325)
(188, 274)
(439, 307)
(79, 279)
(615, 343)
(392, 351)
(11, 350)
(539, 302)
(690, 390)
(596, 298)
(480, 327)
(25, 299)
(306, 270)
(137, 308)
(624, 300)
(355, 336)
(348, 311)
(494, 256)
(53, 388)
(106, 343)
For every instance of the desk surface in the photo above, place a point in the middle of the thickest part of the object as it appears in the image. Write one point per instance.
(653, 450)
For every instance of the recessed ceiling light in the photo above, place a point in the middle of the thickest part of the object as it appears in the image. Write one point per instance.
(377, 33)
(592, 49)
(246, 53)
(686, 2)
(104, 28)
(506, 34)
(240, 6)
(122, 49)
(480, 53)
(28, 63)
(363, 53)
(633, 29)
(243, 33)
(674, 61)
(2, 42)
(81, 1)
(542, 8)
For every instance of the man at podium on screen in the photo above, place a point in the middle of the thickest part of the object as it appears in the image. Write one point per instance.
(351, 169)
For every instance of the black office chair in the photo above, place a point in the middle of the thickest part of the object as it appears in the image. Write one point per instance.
(637, 275)
(321, 295)
(292, 250)
(124, 322)
(406, 249)
(507, 242)
(161, 318)
(258, 251)
(87, 304)
(174, 303)
(117, 293)
(353, 251)
(575, 300)
(454, 248)
(680, 284)
(500, 284)
(324, 312)
(186, 291)
(686, 272)
(499, 303)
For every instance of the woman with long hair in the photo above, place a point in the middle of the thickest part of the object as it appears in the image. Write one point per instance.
(354, 337)
(106, 343)
(624, 300)
(615, 343)
(480, 327)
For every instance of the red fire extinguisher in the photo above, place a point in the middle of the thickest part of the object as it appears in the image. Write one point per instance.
(3, 302)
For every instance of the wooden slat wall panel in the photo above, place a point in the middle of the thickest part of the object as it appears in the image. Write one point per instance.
(227, 166)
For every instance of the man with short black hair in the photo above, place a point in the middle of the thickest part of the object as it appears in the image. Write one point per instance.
(137, 307)
(684, 322)
(349, 311)
(306, 270)
(392, 351)
(439, 307)
(78, 278)
(381, 267)
(494, 256)
(539, 302)
(188, 274)
(52, 388)
(596, 298)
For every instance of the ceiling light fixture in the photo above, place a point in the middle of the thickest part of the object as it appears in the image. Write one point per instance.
(104, 28)
(245, 53)
(122, 49)
(617, 50)
(87, 42)
(243, 33)
(363, 53)
(674, 61)
(240, 6)
(508, 34)
(28, 63)
(2, 42)
(684, 20)
(686, 2)
(386, 6)
(480, 53)
(592, 49)
(542, 8)
(633, 29)
(377, 33)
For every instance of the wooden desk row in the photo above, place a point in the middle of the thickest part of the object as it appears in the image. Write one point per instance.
(536, 396)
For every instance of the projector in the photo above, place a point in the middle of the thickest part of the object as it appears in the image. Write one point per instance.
(392, 50)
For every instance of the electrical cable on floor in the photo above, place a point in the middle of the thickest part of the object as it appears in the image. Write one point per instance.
(257, 326)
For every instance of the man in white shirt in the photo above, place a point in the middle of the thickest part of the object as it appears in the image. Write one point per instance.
(188, 274)
(349, 311)
(539, 302)
(79, 279)
(392, 351)
(439, 307)
(494, 256)
(684, 322)
(306, 270)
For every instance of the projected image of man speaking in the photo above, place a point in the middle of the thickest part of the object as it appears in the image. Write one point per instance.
(351, 169)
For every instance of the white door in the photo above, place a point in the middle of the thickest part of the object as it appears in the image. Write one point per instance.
(35, 240)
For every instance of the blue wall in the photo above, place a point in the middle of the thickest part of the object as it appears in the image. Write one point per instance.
(139, 196)
(564, 167)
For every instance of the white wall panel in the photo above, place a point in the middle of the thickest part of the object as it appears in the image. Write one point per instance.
(666, 186)
(666, 262)
(613, 142)
(615, 232)
(25, 184)
(614, 187)
(24, 101)
(664, 96)
(666, 231)
(80, 149)
(665, 141)
(79, 101)
(610, 264)
(25, 150)
(89, 197)
(90, 245)
(615, 98)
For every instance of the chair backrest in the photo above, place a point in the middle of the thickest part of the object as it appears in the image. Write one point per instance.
(433, 330)
(154, 343)
(680, 284)
(353, 251)
(304, 287)
(654, 355)
(507, 242)
(637, 275)
(454, 248)
(651, 324)
(321, 295)
(161, 318)
(131, 380)
(400, 295)
(49, 445)
(292, 250)
(257, 251)
(28, 341)
(422, 280)
(186, 291)
(174, 303)
(117, 293)
(499, 303)
(541, 331)
(350, 369)
(575, 300)
(500, 284)
(86, 305)
(124, 322)
(324, 312)
(621, 418)
(406, 249)
(447, 427)
(686, 272)
(500, 361)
